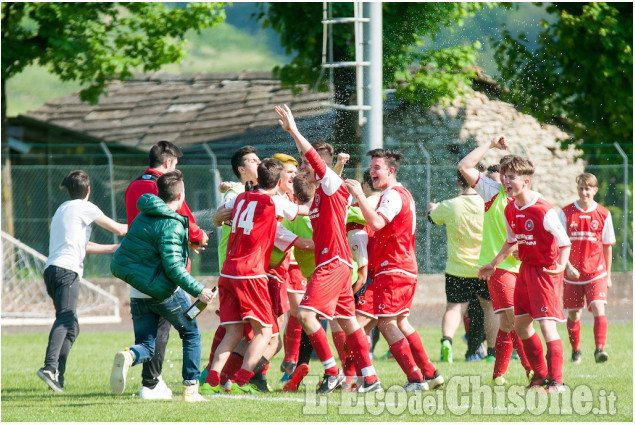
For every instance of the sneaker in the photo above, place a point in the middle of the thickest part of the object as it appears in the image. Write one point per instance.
(122, 362)
(203, 376)
(435, 381)
(446, 351)
(515, 355)
(537, 383)
(330, 383)
(388, 355)
(500, 380)
(296, 377)
(248, 388)
(490, 359)
(482, 351)
(415, 386)
(601, 356)
(207, 389)
(553, 387)
(285, 377)
(49, 375)
(159, 392)
(365, 387)
(260, 381)
(473, 358)
(287, 367)
(576, 356)
(191, 394)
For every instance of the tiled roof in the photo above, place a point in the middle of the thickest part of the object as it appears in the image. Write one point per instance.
(185, 109)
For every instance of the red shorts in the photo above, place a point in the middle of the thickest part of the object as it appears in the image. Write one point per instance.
(364, 303)
(538, 294)
(244, 299)
(594, 291)
(501, 289)
(296, 282)
(277, 287)
(393, 294)
(330, 292)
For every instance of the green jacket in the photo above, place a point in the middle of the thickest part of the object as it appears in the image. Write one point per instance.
(153, 254)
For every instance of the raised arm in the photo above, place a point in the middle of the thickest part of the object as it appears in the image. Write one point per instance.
(342, 159)
(287, 122)
(467, 166)
(111, 225)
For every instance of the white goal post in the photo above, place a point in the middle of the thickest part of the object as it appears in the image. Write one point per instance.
(24, 297)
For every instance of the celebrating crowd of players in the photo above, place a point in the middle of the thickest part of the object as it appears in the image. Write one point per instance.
(292, 242)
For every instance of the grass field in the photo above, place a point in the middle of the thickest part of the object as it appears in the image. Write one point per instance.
(606, 389)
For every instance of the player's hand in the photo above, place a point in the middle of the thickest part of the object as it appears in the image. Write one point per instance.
(572, 272)
(286, 121)
(206, 295)
(432, 206)
(222, 215)
(499, 142)
(609, 282)
(553, 272)
(354, 187)
(343, 158)
(515, 254)
(225, 186)
(485, 272)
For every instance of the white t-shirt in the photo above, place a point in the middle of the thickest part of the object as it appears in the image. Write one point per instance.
(70, 232)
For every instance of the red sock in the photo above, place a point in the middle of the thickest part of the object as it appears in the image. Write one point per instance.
(243, 376)
(419, 355)
(573, 328)
(466, 323)
(218, 337)
(292, 336)
(555, 360)
(233, 365)
(518, 345)
(599, 330)
(401, 351)
(534, 353)
(339, 340)
(503, 350)
(358, 344)
(213, 378)
(321, 346)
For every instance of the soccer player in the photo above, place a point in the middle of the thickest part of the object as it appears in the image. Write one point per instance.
(393, 267)
(163, 157)
(329, 292)
(68, 245)
(243, 283)
(588, 274)
(502, 283)
(463, 219)
(543, 249)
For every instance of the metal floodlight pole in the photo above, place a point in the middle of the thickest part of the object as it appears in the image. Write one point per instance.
(625, 206)
(373, 133)
(217, 180)
(427, 251)
(111, 169)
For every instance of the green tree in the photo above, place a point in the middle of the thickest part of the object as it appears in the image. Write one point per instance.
(419, 76)
(580, 75)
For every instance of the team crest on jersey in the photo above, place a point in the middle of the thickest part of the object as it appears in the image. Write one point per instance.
(317, 199)
(573, 225)
(305, 298)
(361, 301)
(529, 225)
(594, 224)
(382, 306)
(544, 309)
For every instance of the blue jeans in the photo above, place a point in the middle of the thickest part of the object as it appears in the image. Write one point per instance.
(146, 313)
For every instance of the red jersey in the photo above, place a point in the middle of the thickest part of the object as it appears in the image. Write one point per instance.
(254, 223)
(393, 246)
(537, 230)
(589, 230)
(147, 183)
(328, 214)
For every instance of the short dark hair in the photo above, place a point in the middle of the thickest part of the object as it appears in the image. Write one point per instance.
(238, 158)
(303, 189)
(76, 183)
(517, 165)
(494, 168)
(325, 150)
(392, 157)
(162, 151)
(366, 178)
(269, 171)
(170, 185)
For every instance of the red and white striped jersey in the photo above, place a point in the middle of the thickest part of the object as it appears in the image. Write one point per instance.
(393, 246)
(254, 223)
(589, 230)
(537, 230)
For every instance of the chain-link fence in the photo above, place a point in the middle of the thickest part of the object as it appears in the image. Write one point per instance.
(429, 173)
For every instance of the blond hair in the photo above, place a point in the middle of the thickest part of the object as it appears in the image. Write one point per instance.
(588, 179)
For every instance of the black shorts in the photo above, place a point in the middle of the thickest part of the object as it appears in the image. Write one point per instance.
(464, 289)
